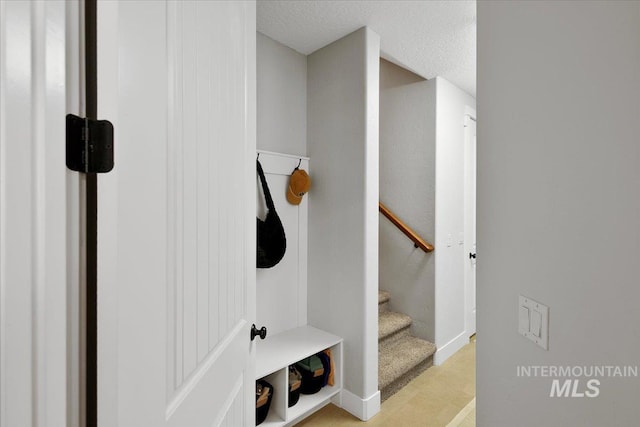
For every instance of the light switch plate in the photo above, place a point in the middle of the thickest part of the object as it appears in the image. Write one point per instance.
(536, 323)
(536, 327)
(523, 319)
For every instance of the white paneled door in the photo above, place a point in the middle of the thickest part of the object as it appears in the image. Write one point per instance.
(176, 216)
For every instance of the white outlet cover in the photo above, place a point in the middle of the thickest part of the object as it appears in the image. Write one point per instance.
(534, 308)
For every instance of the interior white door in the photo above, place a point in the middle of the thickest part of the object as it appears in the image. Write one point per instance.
(176, 216)
(470, 222)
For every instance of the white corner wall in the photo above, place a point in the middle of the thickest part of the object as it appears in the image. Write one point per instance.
(451, 105)
(558, 205)
(407, 187)
(342, 135)
(282, 97)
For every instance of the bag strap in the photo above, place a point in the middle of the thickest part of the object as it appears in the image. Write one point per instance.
(265, 188)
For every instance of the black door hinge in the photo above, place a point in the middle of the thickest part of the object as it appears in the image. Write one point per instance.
(89, 145)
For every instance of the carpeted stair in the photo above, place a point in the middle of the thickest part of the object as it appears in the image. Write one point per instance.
(401, 356)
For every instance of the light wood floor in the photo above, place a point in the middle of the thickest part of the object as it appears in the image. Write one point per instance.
(432, 399)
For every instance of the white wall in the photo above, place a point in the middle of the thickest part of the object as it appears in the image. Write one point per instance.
(343, 215)
(451, 105)
(281, 291)
(282, 97)
(558, 205)
(407, 187)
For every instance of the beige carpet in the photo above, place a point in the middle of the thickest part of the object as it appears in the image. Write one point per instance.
(390, 323)
(401, 362)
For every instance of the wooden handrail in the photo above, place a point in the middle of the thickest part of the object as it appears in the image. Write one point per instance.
(412, 235)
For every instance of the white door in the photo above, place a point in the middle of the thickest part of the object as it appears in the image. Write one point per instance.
(176, 216)
(470, 222)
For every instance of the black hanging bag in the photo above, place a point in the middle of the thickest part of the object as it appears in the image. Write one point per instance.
(272, 242)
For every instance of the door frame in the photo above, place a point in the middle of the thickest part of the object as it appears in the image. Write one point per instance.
(41, 206)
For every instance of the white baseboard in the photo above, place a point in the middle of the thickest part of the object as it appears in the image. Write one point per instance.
(361, 408)
(444, 352)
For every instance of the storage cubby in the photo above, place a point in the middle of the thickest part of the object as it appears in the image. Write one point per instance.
(276, 415)
(274, 356)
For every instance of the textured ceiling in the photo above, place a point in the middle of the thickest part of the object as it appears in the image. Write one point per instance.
(430, 38)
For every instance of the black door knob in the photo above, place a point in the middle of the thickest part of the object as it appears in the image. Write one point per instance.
(472, 255)
(262, 332)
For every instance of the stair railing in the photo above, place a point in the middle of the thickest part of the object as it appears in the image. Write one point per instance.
(418, 241)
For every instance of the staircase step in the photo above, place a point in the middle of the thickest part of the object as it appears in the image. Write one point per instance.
(383, 296)
(400, 363)
(391, 323)
(383, 301)
(391, 340)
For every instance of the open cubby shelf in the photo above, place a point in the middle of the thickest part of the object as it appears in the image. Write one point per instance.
(273, 357)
